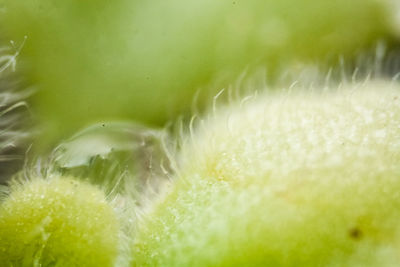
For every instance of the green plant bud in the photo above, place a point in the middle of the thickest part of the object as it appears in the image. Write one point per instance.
(306, 178)
(57, 222)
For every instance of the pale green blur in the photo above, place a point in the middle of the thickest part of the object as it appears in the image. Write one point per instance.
(144, 60)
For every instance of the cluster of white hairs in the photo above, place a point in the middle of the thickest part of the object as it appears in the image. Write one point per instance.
(14, 112)
(378, 63)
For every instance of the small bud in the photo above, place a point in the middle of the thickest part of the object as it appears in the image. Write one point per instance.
(58, 221)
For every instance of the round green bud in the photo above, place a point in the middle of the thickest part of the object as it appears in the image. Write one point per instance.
(57, 222)
(286, 179)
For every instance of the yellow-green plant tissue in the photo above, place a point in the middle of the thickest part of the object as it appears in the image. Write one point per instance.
(300, 178)
(57, 222)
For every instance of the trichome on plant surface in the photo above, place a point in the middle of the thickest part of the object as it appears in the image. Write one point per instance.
(184, 133)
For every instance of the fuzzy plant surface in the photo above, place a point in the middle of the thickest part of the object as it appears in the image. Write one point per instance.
(132, 53)
(57, 222)
(295, 178)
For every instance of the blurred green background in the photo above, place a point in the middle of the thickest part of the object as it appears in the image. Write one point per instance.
(98, 60)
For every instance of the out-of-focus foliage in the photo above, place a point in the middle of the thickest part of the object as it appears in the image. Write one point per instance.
(144, 60)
